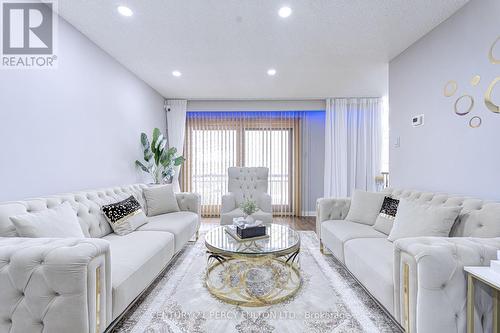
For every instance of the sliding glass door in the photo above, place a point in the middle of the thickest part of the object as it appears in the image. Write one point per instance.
(272, 149)
(213, 151)
(216, 141)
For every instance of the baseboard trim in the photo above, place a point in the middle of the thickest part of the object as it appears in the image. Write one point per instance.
(308, 213)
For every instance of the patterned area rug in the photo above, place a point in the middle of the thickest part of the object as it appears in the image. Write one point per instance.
(330, 300)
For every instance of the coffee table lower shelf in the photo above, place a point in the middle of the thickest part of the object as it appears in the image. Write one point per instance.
(253, 281)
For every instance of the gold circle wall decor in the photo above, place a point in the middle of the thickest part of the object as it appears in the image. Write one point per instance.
(450, 88)
(475, 80)
(475, 122)
(469, 109)
(487, 97)
(490, 55)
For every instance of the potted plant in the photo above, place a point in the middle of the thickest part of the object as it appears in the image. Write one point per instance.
(159, 160)
(249, 207)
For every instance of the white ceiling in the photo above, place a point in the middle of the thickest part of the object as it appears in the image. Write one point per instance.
(224, 47)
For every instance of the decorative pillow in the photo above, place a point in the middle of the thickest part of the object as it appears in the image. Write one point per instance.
(385, 219)
(124, 216)
(60, 222)
(416, 220)
(365, 206)
(160, 200)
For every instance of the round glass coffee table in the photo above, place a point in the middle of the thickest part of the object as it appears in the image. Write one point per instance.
(254, 272)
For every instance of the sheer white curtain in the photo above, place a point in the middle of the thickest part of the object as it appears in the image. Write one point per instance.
(352, 145)
(176, 119)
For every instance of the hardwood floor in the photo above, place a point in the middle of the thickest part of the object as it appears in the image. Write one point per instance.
(295, 222)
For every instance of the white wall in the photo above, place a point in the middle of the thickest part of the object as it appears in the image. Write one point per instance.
(75, 127)
(313, 160)
(445, 154)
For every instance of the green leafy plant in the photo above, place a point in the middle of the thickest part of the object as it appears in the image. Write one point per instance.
(249, 207)
(159, 160)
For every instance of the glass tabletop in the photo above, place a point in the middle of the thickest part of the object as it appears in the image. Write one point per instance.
(281, 239)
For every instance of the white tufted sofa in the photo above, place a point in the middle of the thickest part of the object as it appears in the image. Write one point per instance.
(419, 281)
(83, 285)
(246, 183)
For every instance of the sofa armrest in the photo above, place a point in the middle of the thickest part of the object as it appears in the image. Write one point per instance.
(430, 285)
(55, 285)
(190, 202)
(330, 209)
(228, 203)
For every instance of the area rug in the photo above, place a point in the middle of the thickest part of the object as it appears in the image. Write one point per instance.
(330, 300)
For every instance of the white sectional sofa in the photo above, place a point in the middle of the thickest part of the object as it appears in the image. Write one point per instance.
(420, 281)
(84, 285)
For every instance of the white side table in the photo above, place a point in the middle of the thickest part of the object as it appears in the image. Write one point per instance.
(485, 275)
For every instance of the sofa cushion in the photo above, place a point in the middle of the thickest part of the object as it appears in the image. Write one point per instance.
(335, 233)
(227, 218)
(136, 259)
(365, 207)
(370, 260)
(182, 225)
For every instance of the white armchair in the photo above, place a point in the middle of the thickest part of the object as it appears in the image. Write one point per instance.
(246, 183)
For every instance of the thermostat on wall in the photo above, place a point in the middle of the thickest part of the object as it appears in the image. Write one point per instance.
(417, 120)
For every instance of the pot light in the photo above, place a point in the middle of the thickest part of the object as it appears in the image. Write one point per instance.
(125, 11)
(271, 72)
(285, 12)
(176, 73)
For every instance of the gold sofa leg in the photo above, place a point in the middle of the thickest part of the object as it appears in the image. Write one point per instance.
(406, 297)
(98, 299)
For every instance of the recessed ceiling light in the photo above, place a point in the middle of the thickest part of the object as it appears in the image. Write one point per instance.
(271, 72)
(125, 11)
(176, 73)
(285, 11)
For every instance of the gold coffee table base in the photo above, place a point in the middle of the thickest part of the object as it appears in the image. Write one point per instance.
(253, 281)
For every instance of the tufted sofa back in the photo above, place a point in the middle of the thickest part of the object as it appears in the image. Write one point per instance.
(87, 205)
(477, 218)
(247, 183)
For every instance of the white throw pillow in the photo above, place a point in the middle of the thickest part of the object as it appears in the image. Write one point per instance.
(124, 216)
(384, 224)
(418, 220)
(365, 207)
(60, 222)
(160, 200)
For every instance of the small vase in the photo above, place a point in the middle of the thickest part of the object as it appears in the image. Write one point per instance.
(249, 219)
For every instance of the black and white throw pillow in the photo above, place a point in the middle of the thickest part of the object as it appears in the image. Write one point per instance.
(389, 207)
(124, 216)
(385, 219)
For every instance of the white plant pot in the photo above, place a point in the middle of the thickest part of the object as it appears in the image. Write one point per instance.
(249, 219)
